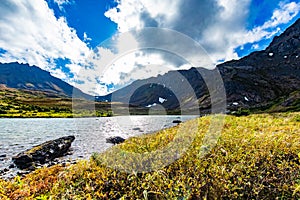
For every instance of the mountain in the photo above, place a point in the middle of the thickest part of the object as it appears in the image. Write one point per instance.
(23, 76)
(268, 79)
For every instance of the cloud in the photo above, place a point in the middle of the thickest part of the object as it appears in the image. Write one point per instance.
(30, 33)
(283, 15)
(86, 38)
(109, 70)
(218, 25)
(209, 22)
(136, 14)
(61, 3)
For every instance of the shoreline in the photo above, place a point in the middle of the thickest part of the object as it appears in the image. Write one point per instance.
(242, 164)
(78, 147)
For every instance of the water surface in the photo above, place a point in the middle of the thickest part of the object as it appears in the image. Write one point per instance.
(17, 135)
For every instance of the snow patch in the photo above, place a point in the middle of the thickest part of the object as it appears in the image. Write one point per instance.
(161, 100)
(151, 105)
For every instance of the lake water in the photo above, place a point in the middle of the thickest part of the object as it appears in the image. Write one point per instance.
(17, 135)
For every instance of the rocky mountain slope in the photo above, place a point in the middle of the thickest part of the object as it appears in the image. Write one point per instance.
(23, 76)
(268, 79)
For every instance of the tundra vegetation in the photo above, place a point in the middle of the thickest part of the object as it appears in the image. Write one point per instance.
(256, 157)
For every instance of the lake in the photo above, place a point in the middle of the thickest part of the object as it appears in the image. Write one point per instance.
(19, 134)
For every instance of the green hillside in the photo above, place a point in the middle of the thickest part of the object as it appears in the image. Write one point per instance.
(29, 103)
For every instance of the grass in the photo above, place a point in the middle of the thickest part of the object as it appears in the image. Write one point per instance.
(37, 104)
(256, 157)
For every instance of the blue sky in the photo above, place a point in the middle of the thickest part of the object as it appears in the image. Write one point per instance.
(68, 37)
(87, 16)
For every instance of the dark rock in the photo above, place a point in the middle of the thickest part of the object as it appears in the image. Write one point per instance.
(3, 171)
(11, 166)
(3, 156)
(44, 152)
(115, 140)
(31, 168)
(177, 121)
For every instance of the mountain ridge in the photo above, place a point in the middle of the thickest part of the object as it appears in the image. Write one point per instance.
(259, 80)
(256, 81)
(23, 76)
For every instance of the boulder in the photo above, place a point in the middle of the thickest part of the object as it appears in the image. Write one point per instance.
(115, 140)
(44, 152)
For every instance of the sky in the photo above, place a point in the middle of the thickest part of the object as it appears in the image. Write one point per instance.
(96, 45)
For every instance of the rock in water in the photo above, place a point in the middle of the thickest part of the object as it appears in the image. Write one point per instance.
(177, 121)
(115, 140)
(44, 152)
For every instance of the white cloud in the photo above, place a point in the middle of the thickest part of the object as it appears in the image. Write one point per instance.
(61, 3)
(219, 26)
(229, 32)
(86, 38)
(119, 69)
(283, 15)
(212, 23)
(255, 46)
(59, 74)
(30, 33)
(133, 14)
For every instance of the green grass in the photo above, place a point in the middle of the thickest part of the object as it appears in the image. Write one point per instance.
(256, 157)
(36, 104)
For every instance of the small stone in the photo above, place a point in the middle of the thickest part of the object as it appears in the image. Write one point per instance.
(31, 168)
(115, 140)
(11, 166)
(177, 121)
(3, 156)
